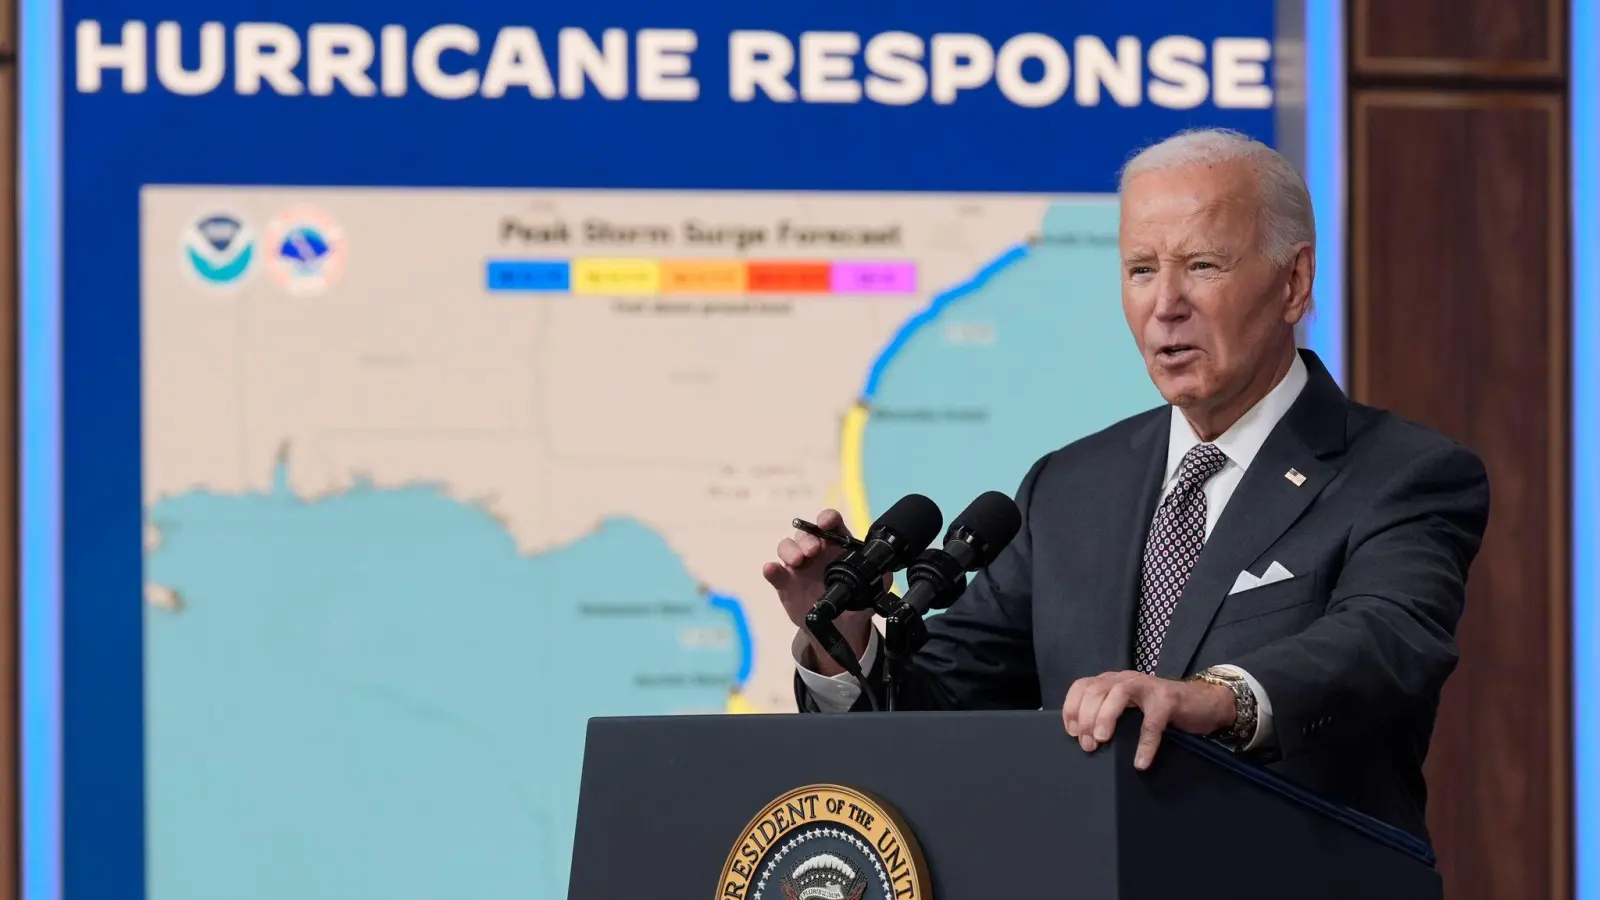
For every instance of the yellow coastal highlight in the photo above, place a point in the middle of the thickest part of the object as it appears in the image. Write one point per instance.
(616, 276)
(740, 706)
(853, 482)
(857, 517)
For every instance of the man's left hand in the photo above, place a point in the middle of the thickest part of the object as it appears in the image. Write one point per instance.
(1094, 705)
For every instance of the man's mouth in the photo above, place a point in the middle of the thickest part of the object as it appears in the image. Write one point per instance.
(1173, 357)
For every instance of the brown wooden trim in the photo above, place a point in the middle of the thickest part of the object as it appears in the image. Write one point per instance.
(1366, 100)
(1552, 66)
(1559, 371)
(1461, 68)
(1408, 99)
(1558, 381)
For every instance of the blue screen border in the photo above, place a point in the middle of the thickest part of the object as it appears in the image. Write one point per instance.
(1584, 94)
(39, 629)
(1324, 173)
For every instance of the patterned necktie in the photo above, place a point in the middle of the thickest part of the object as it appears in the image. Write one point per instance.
(1177, 533)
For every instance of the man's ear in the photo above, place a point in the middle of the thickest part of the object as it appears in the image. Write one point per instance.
(1297, 287)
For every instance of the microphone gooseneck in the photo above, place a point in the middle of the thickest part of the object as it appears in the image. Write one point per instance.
(938, 576)
(854, 580)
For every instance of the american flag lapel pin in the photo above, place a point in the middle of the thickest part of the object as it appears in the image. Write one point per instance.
(1295, 478)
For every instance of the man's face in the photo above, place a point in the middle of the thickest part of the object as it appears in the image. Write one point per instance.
(1207, 307)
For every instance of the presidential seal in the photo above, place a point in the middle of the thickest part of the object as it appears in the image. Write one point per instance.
(825, 842)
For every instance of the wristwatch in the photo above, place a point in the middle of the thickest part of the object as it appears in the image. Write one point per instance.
(1243, 729)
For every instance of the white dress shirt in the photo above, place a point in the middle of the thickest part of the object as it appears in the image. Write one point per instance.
(1240, 443)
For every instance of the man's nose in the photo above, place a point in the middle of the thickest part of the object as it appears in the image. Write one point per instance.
(1171, 301)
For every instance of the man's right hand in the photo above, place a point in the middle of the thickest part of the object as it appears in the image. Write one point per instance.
(798, 577)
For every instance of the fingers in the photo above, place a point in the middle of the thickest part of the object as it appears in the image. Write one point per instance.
(1094, 694)
(1094, 705)
(794, 551)
(1105, 719)
(776, 574)
(831, 520)
(1157, 712)
(790, 553)
(1069, 709)
(809, 546)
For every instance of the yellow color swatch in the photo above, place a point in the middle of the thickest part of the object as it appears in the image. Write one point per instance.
(694, 276)
(616, 276)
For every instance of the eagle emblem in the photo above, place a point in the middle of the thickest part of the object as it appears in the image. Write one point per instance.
(824, 877)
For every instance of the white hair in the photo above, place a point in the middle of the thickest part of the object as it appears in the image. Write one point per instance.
(1285, 212)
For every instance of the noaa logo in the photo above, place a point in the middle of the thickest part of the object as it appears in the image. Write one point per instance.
(825, 842)
(305, 250)
(219, 249)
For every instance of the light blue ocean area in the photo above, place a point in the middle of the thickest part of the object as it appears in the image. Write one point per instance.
(375, 695)
(1029, 354)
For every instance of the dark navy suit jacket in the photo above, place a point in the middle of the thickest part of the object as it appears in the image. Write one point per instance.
(1352, 651)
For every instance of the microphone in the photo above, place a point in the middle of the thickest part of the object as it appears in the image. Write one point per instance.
(938, 576)
(853, 580)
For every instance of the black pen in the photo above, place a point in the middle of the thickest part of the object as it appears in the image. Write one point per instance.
(832, 537)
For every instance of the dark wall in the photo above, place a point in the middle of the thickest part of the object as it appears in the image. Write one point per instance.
(1459, 319)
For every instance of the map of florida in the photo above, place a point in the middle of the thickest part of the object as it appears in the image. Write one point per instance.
(700, 363)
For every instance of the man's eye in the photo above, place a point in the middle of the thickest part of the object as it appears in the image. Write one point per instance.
(1140, 270)
(1201, 264)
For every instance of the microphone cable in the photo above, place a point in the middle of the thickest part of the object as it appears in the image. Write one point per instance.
(840, 651)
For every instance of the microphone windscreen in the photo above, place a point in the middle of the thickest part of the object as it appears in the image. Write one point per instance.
(994, 519)
(915, 519)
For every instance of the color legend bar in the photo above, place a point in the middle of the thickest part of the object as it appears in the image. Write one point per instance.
(790, 278)
(648, 277)
(616, 276)
(528, 275)
(689, 276)
(873, 278)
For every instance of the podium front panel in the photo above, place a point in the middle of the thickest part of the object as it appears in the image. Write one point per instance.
(666, 800)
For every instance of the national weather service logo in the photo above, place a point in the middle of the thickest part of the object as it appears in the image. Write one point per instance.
(219, 249)
(825, 842)
(305, 251)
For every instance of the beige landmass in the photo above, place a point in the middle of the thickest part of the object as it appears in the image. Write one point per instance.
(713, 423)
(162, 597)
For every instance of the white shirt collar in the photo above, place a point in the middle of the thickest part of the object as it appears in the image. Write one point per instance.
(1243, 440)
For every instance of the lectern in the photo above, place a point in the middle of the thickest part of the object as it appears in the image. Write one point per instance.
(957, 806)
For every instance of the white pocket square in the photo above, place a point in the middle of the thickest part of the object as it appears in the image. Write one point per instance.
(1274, 574)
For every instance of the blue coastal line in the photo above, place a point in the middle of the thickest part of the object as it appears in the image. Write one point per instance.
(741, 625)
(934, 308)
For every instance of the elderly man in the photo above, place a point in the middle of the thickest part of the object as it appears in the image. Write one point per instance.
(1262, 561)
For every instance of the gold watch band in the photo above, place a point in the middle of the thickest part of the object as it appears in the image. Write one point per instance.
(1245, 720)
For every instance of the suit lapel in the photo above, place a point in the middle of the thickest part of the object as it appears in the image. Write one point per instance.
(1128, 523)
(1262, 508)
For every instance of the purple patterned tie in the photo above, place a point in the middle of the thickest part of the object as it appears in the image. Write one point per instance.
(1177, 533)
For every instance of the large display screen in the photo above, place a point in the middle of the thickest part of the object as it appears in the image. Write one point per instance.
(429, 382)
